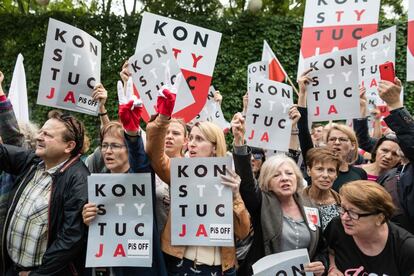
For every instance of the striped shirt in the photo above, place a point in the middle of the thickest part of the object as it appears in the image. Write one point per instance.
(28, 230)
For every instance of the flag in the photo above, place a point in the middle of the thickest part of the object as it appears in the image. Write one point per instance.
(276, 71)
(18, 91)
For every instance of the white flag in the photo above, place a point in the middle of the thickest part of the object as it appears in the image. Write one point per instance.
(18, 91)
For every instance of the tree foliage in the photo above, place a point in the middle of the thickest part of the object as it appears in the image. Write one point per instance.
(241, 45)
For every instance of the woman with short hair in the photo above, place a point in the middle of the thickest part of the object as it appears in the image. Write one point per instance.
(282, 219)
(323, 165)
(362, 240)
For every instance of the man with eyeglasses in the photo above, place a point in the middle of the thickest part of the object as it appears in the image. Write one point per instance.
(43, 233)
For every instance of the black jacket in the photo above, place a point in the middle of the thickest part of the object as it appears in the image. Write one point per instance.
(253, 197)
(66, 231)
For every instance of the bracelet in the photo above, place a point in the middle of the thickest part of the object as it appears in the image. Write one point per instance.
(295, 132)
(103, 114)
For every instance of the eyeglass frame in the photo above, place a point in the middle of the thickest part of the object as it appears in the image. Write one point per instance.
(340, 139)
(112, 146)
(342, 211)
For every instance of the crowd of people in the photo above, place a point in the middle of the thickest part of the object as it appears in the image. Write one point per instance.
(353, 214)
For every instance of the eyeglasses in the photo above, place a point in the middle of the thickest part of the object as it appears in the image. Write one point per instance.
(353, 215)
(113, 146)
(257, 156)
(340, 139)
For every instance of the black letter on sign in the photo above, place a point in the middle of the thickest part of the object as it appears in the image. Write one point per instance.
(218, 210)
(137, 229)
(75, 39)
(183, 191)
(114, 190)
(60, 34)
(102, 228)
(158, 27)
(197, 171)
(58, 55)
(98, 190)
(181, 171)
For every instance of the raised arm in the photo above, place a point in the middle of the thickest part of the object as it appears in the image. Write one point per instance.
(101, 95)
(365, 141)
(399, 120)
(249, 189)
(9, 128)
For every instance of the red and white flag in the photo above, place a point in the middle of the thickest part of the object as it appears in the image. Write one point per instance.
(276, 71)
(410, 42)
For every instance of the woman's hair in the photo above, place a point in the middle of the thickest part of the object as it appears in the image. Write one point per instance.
(350, 133)
(368, 196)
(182, 123)
(389, 137)
(113, 128)
(322, 155)
(273, 163)
(214, 135)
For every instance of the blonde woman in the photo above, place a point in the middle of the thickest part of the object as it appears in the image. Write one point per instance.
(205, 140)
(282, 219)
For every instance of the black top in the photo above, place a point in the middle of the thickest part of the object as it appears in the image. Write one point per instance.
(397, 257)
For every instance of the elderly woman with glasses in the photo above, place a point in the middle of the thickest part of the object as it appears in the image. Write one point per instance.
(362, 241)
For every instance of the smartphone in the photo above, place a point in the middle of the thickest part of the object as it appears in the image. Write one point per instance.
(387, 71)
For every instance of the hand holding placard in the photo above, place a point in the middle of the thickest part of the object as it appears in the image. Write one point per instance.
(232, 180)
(238, 127)
(130, 107)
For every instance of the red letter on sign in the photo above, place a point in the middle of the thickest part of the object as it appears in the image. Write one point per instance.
(119, 250)
(201, 231)
(52, 93)
(69, 97)
(265, 137)
(332, 109)
(100, 252)
(182, 234)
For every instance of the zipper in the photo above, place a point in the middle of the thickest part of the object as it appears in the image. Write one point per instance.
(3, 238)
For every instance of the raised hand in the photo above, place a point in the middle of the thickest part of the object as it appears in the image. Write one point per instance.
(100, 95)
(363, 101)
(294, 114)
(218, 98)
(130, 108)
(303, 81)
(167, 96)
(125, 74)
(390, 93)
(238, 127)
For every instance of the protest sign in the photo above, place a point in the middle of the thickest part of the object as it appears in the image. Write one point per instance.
(212, 112)
(287, 263)
(195, 49)
(201, 207)
(153, 67)
(374, 50)
(258, 70)
(121, 233)
(70, 70)
(334, 93)
(410, 42)
(330, 25)
(267, 121)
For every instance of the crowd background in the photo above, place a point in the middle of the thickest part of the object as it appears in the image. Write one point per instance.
(241, 44)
